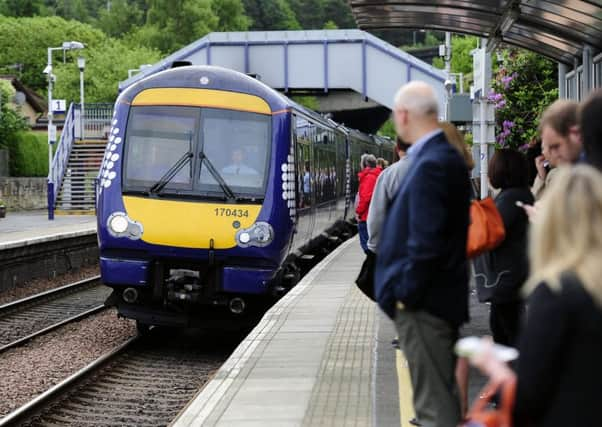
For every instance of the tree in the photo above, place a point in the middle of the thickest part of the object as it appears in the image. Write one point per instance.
(21, 7)
(172, 24)
(330, 25)
(25, 40)
(271, 15)
(121, 18)
(231, 15)
(339, 12)
(461, 59)
(525, 84)
(106, 65)
(10, 120)
(310, 13)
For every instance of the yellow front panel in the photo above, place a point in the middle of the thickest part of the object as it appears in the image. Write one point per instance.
(189, 224)
(203, 98)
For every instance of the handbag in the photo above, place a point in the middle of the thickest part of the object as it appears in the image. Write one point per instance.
(486, 230)
(480, 415)
(365, 279)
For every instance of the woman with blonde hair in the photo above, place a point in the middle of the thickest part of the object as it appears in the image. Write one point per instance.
(456, 139)
(559, 374)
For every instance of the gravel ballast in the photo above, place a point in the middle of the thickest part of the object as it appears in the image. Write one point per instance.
(41, 285)
(27, 371)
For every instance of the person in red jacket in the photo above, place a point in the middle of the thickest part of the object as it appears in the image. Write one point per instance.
(367, 180)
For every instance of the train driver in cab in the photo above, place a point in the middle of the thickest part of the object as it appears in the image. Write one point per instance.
(237, 165)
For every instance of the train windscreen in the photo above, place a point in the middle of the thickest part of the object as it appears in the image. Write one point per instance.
(237, 144)
(197, 151)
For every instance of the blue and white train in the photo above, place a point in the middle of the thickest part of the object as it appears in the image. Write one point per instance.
(212, 188)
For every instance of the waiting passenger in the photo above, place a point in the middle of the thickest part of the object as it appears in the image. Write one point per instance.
(560, 142)
(559, 375)
(422, 273)
(237, 167)
(367, 180)
(306, 186)
(456, 140)
(387, 186)
(590, 124)
(501, 272)
(381, 163)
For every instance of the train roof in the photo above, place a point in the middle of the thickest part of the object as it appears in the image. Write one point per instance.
(219, 78)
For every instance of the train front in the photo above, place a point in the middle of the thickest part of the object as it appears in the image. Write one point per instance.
(194, 202)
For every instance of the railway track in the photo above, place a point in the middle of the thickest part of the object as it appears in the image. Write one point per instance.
(29, 317)
(143, 382)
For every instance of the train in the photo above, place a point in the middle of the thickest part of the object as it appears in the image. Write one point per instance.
(213, 190)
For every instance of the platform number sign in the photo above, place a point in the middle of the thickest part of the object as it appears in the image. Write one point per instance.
(59, 105)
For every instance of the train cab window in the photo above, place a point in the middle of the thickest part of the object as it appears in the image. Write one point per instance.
(156, 139)
(236, 148)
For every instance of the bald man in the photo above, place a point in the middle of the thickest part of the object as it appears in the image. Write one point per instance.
(421, 276)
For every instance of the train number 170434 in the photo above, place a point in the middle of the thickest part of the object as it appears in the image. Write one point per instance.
(239, 213)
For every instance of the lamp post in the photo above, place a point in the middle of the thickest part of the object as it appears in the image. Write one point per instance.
(51, 129)
(81, 64)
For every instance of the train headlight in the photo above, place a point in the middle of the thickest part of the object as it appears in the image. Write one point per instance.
(259, 234)
(120, 225)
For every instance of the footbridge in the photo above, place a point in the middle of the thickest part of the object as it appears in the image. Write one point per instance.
(352, 73)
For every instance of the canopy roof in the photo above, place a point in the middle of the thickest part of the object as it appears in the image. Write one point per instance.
(558, 29)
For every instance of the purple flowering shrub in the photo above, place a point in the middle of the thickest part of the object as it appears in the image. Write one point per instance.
(524, 84)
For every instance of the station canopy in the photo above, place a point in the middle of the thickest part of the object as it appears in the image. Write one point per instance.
(558, 29)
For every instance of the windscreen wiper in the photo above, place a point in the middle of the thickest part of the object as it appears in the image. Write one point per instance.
(171, 173)
(225, 188)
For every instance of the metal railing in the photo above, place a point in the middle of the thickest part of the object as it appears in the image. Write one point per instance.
(97, 120)
(60, 160)
(97, 124)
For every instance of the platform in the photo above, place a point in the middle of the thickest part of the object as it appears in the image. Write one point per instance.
(322, 356)
(33, 227)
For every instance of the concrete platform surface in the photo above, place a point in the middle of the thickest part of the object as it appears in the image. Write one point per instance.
(30, 227)
(322, 356)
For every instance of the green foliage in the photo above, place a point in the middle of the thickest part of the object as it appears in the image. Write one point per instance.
(525, 84)
(231, 15)
(121, 18)
(105, 67)
(330, 25)
(339, 12)
(28, 154)
(171, 24)
(10, 120)
(388, 129)
(310, 102)
(269, 15)
(310, 13)
(461, 59)
(21, 7)
(429, 40)
(25, 41)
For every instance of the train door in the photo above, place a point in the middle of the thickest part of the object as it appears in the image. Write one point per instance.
(303, 167)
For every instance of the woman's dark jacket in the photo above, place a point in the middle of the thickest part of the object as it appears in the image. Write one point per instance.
(559, 369)
(500, 273)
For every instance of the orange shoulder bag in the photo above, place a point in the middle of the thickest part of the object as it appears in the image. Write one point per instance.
(486, 230)
(482, 416)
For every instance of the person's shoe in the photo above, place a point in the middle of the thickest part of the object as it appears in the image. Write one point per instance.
(395, 343)
(415, 422)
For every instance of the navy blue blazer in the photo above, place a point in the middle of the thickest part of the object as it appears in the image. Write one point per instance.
(422, 253)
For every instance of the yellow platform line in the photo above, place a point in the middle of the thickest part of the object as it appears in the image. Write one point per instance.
(406, 405)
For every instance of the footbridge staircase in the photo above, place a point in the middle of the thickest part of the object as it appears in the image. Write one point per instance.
(77, 158)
